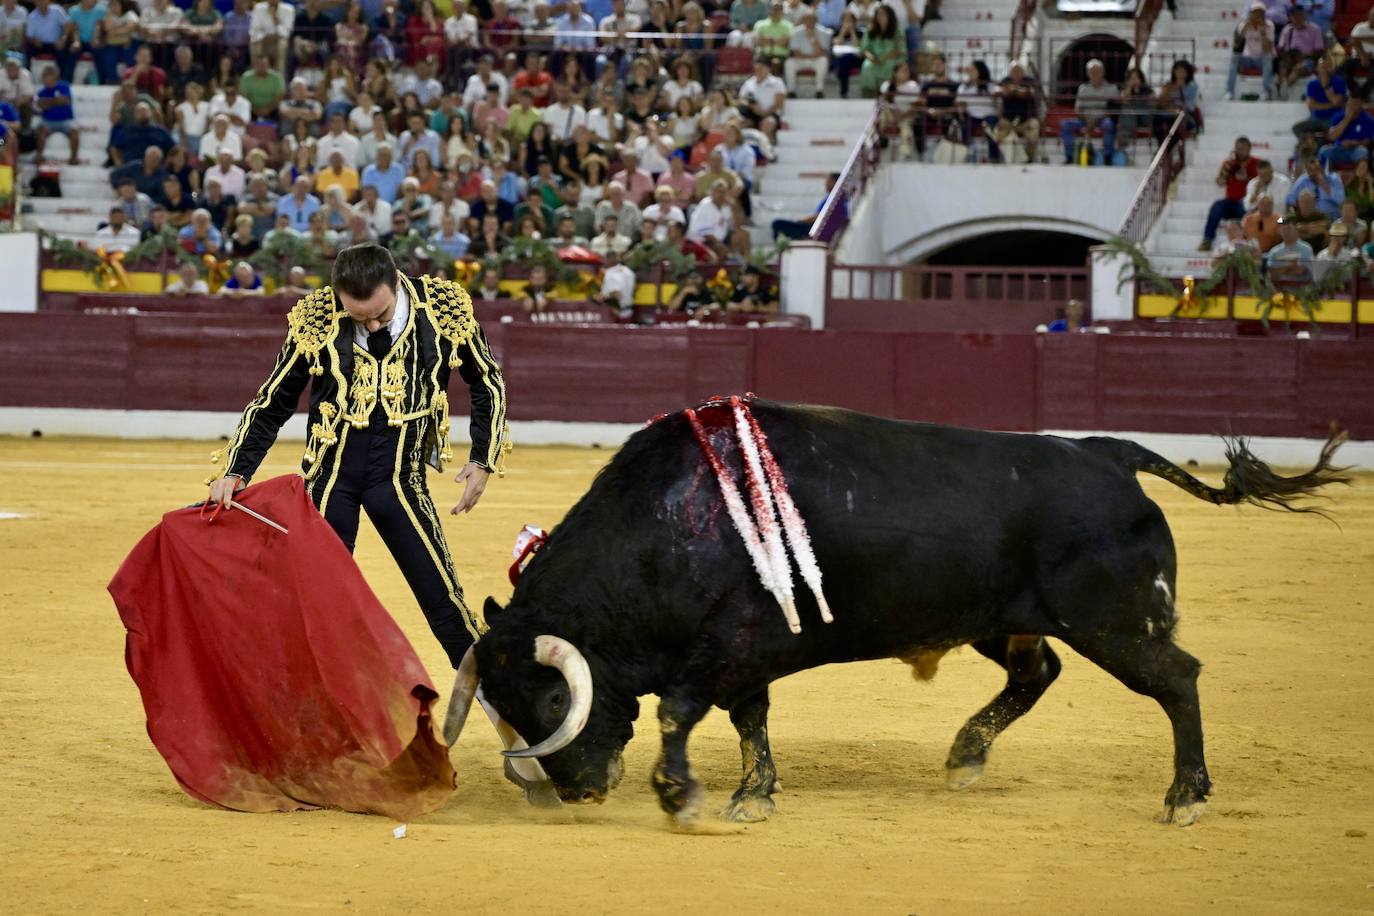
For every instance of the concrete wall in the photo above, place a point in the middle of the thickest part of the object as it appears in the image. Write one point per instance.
(912, 210)
(19, 256)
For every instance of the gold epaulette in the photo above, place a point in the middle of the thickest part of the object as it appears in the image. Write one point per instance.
(451, 308)
(314, 323)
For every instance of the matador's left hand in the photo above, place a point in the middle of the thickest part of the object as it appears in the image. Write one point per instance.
(474, 481)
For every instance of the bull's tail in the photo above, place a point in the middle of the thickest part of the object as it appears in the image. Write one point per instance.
(1247, 480)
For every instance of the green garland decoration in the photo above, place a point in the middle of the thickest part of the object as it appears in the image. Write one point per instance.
(154, 246)
(528, 252)
(284, 251)
(764, 257)
(412, 248)
(650, 254)
(66, 253)
(1307, 297)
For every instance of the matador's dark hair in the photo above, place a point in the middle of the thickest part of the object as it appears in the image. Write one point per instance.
(360, 269)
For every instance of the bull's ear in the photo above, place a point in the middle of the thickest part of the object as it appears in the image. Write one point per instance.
(491, 610)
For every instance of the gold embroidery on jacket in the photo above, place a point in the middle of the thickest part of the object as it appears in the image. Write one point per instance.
(314, 323)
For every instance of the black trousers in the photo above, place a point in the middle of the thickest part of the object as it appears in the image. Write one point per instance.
(381, 471)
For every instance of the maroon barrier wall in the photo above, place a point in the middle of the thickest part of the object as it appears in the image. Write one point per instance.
(1258, 386)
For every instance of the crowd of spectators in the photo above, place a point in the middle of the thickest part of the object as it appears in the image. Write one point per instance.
(601, 124)
(1295, 228)
(1008, 115)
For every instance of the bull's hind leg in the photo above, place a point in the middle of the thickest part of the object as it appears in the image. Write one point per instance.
(753, 800)
(1031, 667)
(1153, 666)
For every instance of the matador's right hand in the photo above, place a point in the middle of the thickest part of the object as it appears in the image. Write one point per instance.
(222, 491)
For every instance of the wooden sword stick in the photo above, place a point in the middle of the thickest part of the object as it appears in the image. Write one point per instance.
(262, 518)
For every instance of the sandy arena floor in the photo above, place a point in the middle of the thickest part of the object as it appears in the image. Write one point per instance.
(1278, 607)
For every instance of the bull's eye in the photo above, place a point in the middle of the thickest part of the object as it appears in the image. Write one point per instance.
(554, 707)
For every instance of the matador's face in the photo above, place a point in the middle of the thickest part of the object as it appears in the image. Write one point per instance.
(374, 312)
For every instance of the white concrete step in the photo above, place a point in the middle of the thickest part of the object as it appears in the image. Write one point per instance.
(73, 204)
(827, 108)
(974, 13)
(790, 140)
(791, 186)
(66, 223)
(942, 30)
(91, 109)
(87, 91)
(90, 173)
(78, 194)
(784, 204)
(1197, 264)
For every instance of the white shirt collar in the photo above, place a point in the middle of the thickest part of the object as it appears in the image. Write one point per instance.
(397, 323)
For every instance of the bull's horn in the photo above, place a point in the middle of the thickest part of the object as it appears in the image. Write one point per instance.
(460, 701)
(563, 655)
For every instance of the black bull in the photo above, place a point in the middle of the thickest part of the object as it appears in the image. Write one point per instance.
(929, 537)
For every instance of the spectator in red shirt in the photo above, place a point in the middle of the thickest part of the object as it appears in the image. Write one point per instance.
(147, 76)
(677, 235)
(1234, 175)
(536, 79)
(502, 31)
(424, 34)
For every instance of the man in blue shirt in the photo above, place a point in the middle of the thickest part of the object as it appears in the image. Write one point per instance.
(49, 31)
(84, 16)
(417, 136)
(130, 141)
(1349, 136)
(384, 175)
(236, 28)
(829, 13)
(801, 228)
(54, 100)
(1329, 190)
(568, 26)
(145, 174)
(299, 205)
(1325, 99)
(9, 125)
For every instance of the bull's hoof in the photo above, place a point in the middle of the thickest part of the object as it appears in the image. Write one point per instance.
(679, 796)
(687, 806)
(749, 809)
(964, 776)
(1182, 815)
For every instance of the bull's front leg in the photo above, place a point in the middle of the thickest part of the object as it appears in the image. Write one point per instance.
(679, 793)
(753, 800)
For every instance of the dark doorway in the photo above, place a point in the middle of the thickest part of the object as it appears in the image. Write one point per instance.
(1022, 248)
(1072, 60)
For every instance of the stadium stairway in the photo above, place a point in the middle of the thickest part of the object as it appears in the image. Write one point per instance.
(1173, 243)
(86, 192)
(816, 139)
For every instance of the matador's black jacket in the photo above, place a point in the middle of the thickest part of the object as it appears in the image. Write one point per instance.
(348, 386)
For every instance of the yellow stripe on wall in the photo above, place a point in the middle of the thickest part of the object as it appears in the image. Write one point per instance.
(1328, 311)
(1155, 305)
(53, 280)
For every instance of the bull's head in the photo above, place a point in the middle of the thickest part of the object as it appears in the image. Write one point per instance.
(540, 687)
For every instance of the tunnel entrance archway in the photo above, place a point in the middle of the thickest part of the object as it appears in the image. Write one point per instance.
(1016, 248)
(1071, 62)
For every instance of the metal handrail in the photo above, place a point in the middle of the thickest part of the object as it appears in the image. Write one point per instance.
(1153, 190)
(1020, 23)
(850, 184)
(1146, 12)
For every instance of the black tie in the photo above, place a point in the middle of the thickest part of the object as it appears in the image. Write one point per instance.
(379, 342)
